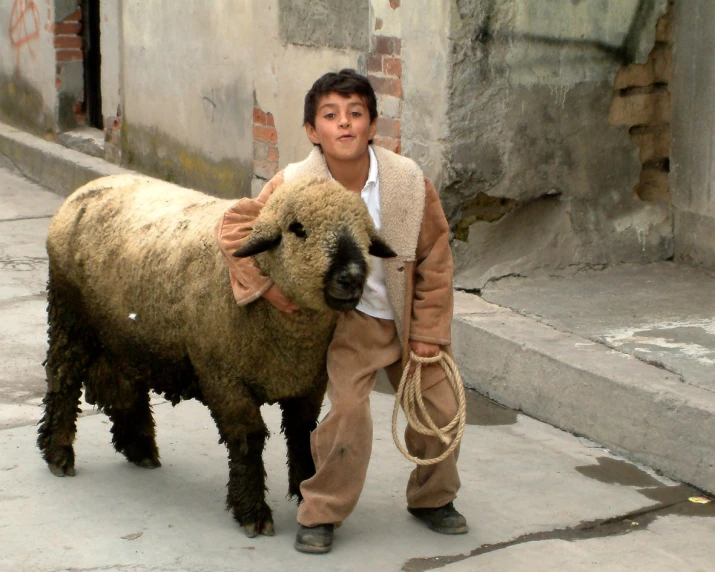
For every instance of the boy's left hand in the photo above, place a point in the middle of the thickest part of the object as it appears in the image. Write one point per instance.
(422, 349)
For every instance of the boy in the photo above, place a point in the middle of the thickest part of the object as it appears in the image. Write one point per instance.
(406, 305)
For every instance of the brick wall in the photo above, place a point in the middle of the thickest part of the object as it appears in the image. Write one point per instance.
(265, 144)
(642, 102)
(384, 68)
(68, 49)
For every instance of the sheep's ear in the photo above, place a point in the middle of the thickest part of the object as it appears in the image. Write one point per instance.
(257, 244)
(380, 248)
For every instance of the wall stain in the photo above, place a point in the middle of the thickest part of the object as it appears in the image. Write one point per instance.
(159, 155)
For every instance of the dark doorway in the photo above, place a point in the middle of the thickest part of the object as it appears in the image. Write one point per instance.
(92, 64)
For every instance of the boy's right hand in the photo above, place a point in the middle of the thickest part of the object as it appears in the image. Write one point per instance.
(279, 301)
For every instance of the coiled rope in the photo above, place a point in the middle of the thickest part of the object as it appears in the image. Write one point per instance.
(409, 396)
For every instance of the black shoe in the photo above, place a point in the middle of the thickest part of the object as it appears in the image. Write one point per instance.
(445, 519)
(314, 539)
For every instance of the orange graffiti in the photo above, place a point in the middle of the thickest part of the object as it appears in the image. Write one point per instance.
(24, 26)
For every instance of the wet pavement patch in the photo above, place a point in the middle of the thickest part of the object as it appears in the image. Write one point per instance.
(480, 410)
(615, 471)
(615, 526)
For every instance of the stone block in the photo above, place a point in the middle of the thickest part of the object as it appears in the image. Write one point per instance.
(662, 58)
(635, 75)
(653, 185)
(654, 145)
(325, 24)
(640, 109)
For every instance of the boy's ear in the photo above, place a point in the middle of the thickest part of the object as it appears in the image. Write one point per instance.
(312, 135)
(373, 129)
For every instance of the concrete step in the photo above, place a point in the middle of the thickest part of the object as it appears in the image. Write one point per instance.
(638, 410)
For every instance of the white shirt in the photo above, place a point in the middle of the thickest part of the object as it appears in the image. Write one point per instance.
(374, 301)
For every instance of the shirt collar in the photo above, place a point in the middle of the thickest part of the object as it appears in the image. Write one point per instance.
(372, 173)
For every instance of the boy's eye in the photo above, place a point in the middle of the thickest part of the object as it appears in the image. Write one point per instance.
(329, 115)
(356, 114)
(297, 229)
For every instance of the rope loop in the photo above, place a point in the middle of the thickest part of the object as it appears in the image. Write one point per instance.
(409, 396)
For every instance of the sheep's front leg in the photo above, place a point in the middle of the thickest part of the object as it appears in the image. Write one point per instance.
(300, 417)
(242, 429)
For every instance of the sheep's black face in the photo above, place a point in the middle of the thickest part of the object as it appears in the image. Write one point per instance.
(346, 275)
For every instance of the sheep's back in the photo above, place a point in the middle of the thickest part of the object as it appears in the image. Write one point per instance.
(143, 255)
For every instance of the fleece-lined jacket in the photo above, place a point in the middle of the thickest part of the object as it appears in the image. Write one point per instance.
(419, 279)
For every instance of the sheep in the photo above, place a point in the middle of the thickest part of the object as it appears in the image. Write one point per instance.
(139, 299)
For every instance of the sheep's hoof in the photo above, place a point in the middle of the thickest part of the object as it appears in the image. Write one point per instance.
(148, 463)
(58, 471)
(253, 529)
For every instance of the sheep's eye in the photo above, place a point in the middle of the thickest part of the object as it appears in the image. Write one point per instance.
(297, 229)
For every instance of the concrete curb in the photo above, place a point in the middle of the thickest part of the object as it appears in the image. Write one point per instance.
(637, 410)
(60, 169)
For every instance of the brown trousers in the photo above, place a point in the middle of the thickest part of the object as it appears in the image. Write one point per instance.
(342, 442)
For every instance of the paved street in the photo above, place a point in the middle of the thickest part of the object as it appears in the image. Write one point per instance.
(536, 498)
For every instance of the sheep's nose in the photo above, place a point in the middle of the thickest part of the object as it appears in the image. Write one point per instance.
(349, 280)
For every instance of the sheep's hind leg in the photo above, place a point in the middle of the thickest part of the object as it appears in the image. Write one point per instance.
(300, 417)
(133, 432)
(66, 367)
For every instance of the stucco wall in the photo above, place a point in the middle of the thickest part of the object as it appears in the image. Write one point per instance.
(536, 177)
(693, 128)
(110, 44)
(27, 65)
(188, 92)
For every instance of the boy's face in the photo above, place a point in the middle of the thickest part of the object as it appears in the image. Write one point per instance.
(342, 127)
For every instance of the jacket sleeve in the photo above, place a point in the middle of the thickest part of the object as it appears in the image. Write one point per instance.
(433, 297)
(232, 231)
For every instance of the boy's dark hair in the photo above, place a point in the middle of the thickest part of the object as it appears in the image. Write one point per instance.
(346, 82)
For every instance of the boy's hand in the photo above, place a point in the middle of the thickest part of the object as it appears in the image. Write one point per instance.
(422, 349)
(279, 301)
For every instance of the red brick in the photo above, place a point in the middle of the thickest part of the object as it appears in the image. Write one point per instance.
(67, 28)
(388, 128)
(265, 134)
(273, 156)
(386, 85)
(378, 23)
(393, 145)
(259, 118)
(264, 169)
(270, 121)
(68, 42)
(393, 66)
(387, 45)
(394, 4)
(68, 55)
(374, 63)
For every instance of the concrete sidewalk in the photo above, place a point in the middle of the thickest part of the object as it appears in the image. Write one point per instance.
(537, 498)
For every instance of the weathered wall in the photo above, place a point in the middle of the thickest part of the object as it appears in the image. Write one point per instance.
(110, 44)
(426, 73)
(693, 145)
(536, 177)
(27, 65)
(188, 91)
